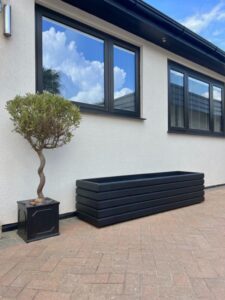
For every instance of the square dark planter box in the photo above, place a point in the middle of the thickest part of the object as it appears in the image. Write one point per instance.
(38, 222)
(110, 200)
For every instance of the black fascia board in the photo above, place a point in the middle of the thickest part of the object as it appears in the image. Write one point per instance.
(148, 23)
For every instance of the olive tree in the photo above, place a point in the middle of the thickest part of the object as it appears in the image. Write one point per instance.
(46, 121)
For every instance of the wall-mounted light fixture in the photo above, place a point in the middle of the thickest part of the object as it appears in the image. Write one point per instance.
(7, 20)
(7, 16)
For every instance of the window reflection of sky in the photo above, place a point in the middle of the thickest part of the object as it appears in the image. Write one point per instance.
(198, 87)
(79, 60)
(176, 78)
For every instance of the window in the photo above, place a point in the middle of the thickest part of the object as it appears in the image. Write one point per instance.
(73, 63)
(177, 98)
(217, 109)
(124, 79)
(198, 104)
(92, 69)
(195, 102)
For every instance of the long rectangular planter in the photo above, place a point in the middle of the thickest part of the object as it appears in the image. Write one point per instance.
(106, 201)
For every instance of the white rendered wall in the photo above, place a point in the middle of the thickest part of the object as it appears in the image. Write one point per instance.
(103, 145)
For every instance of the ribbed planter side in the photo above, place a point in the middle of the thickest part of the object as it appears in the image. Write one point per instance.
(106, 201)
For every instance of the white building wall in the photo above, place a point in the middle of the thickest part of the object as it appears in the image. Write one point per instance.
(103, 145)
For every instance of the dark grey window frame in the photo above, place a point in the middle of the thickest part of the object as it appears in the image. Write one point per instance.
(199, 76)
(109, 42)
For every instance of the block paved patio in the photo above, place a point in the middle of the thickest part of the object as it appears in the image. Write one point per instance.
(174, 255)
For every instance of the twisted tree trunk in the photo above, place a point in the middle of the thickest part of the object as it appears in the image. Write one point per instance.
(41, 175)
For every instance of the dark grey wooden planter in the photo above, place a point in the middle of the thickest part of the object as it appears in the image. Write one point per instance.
(38, 222)
(106, 201)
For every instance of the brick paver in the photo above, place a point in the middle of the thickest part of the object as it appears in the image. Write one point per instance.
(175, 255)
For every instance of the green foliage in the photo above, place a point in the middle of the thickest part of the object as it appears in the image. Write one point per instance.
(51, 81)
(46, 120)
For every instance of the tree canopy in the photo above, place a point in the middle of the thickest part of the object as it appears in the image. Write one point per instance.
(46, 120)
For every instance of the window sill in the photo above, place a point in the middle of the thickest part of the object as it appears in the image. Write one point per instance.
(196, 133)
(105, 113)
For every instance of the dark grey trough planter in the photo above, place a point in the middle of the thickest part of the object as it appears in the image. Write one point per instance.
(110, 200)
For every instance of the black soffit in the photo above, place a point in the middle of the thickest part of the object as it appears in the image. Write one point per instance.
(146, 22)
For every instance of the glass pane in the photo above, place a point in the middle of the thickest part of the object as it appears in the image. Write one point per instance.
(124, 79)
(198, 100)
(73, 63)
(177, 99)
(217, 109)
